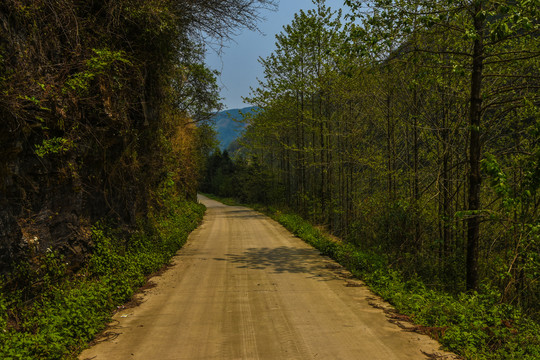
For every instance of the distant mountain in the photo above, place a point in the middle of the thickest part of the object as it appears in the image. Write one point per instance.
(228, 125)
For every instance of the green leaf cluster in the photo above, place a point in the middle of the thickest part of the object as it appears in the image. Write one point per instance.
(53, 146)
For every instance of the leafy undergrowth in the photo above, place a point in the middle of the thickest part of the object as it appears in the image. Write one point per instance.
(61, 320)
(476, 326)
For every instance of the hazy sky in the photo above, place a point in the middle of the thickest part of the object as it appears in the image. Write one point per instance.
(238, 62)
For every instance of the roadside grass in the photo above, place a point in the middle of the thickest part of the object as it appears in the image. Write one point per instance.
(476, 325)
(69, 310)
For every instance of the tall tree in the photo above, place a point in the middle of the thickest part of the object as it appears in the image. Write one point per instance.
(299, 71)
(488, 29)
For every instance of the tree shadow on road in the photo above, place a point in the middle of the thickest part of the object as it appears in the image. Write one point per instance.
(282, 259)
(242, 214)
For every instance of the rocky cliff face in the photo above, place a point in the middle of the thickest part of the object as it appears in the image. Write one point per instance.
(41, 208)
(73, 126)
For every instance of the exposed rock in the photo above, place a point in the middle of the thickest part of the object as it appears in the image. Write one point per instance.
(10, 237)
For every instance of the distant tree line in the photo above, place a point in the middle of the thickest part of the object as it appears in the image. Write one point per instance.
(247, 181)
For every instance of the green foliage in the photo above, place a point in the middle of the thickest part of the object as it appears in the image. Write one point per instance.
(71, 309)
(245, 180)
(102, 62)
(53, 146)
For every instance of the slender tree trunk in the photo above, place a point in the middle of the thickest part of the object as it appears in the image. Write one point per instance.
(416, 111)
(288, 171)
(475, 149)
(446, 184)
(389, 145)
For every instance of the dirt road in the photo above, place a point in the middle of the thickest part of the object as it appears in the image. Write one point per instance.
(245, 288)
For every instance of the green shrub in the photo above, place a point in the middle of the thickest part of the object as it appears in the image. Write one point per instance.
(72, 310)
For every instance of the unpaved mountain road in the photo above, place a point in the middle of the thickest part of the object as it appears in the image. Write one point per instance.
(245, 288)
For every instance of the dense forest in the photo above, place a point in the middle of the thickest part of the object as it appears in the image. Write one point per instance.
(411, 130)
(416, 133)
(100, 154)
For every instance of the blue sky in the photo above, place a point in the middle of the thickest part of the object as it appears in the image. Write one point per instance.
(238, 61)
